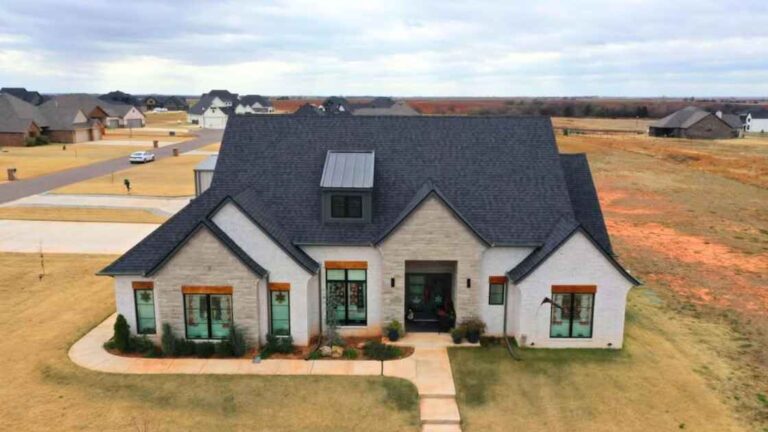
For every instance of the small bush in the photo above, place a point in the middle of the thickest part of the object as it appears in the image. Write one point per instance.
(237, 341)
(486, 341)
(279, 344)
(314, 355)
(350, 353)
(395, 325)
(168, 340)
(122, 336)
(205, 349)
(380, 351)
(185, 348)
(473, 325)
(224, 349)
(142, 344)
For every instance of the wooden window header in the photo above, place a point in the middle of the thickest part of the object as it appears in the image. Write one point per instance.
(140, 285)
(279, 286)
(495, 280)
(575, 289)
(206, 289)
(348, 265)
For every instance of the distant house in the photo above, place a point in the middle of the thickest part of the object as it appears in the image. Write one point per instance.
(733, 120)
(756, 121)
(31, 97)
(108, 114)
(692, 122)
(380, 102)
(19, 121)
(337, 105)
(68, 123)
(121, 98)
(253, 104)
(204, 174)
(310, 110)
(400, 108)
(213, 109)
(171, 103)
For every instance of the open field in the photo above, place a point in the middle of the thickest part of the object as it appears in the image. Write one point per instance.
(36, 161)
(602, 124)
(170, 177)
(81, 214)
(43, 391)
(690, 218)
(170, 118)
(211, 147)
(656, 383)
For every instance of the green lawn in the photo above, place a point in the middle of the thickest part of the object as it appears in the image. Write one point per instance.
(656, 383)
(42, 390)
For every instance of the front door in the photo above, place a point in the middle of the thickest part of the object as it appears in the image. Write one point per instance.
(427, 299)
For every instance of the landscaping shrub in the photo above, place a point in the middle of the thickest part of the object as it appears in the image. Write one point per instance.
(168, 340)
(278, 344)
(350, 353)
(474, 328)
(394, 330)
(380, 351)
(486, 341)
(237, 341)
(205, 349)
(314, 355)
(122, 336)
(457, 335)
(224, 349)
(141, 344)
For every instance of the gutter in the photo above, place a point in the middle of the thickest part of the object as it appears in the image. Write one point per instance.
(504, 329)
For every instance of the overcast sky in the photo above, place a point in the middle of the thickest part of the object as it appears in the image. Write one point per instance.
(399, 48)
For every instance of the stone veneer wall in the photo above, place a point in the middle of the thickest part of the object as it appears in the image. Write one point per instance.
(431, 232)
(205, 261)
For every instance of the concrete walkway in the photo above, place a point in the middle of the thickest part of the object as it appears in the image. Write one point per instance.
(71, 237)
(157, 205)
(429, 369)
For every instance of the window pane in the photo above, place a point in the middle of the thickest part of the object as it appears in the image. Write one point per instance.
(335, 275)
(145, 311)
(356, 303)
(221, 316)
(281, 319)
(356, 275)
(582, 315)
(560, 324)
(354, 206)
(496, 295)
(336, 299)
(338, 206)
(197, 316)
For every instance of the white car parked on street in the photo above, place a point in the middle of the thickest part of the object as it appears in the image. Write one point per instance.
(142, 157)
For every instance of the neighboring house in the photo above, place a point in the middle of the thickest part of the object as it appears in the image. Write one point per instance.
(253, 104)
(68, 123)
(19, 121)
(309, 109)
(756, 121)
(734, 121)
(120, 98)
(374, 219)
(126, 116)
(31, 97)
(400, 108)
(213, 109)
(215, 117)
(337, 105)
(171, 103)
(692, 122)
(109, 115)
(204, 174)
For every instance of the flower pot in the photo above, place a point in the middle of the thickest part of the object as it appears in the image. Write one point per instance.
(393, 335)
(456, 339)
(473, 336)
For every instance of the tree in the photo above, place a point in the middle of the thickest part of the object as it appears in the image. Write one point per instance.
(122, 337)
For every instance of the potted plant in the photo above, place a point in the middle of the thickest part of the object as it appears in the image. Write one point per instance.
(445, 319)
(394, 330)
(474, 327)
(457, 335)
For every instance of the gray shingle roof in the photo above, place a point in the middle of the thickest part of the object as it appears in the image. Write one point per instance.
(502, 176)
(586, 205)
(31, 97)
(308, 109)
(733, 121)
(348, 170)
(252, 99)
(16, 114)
(682, 119)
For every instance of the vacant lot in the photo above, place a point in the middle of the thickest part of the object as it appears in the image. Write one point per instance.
(172, 176)
(36, 161)
(602, 124)
(81, 214)
(43, 391)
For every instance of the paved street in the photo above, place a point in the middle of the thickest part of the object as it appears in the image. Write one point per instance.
(14, 190)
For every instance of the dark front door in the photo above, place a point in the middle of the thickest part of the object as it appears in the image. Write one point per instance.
(427, 298)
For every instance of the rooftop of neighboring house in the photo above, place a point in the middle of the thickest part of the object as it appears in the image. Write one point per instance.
(32, 97)
(16, 114)
(682, 119)
(400, 108)
(309, 109)
(119, 97)
(224, 95)
(251, 100)
(502, 176)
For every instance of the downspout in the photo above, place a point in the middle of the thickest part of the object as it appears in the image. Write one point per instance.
(506, 338)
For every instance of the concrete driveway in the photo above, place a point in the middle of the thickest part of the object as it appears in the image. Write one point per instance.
(71, 237)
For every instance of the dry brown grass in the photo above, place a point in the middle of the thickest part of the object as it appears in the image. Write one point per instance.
(81, 214)
(211, 147)
(43, 391)
(656, 383)
(602, 124)
(690, 217)
(36, 161)
(171, 176)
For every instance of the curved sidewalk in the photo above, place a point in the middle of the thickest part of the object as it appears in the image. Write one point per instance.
(429, 369)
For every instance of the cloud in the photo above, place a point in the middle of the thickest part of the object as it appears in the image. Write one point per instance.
(396, 47)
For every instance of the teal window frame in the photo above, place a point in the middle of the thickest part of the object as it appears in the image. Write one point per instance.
(566, 311)
(209, 316)
(496, 298)
(346, 284)
(272, 319)
(139, 318)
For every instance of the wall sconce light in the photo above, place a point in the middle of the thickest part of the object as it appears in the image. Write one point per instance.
(469, 283)
(392, 282)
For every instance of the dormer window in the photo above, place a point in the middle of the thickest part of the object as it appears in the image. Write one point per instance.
(347, 185)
